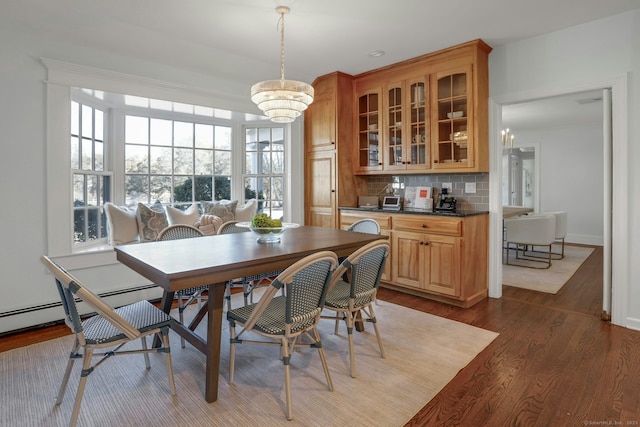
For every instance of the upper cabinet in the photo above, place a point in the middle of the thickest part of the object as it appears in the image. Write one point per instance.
(425, 115)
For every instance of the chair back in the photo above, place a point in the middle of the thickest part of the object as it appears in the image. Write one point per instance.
(179, 231)
(69, 287)
(539, 230)
(230, 227)
(561, 224)
(366, 266)
(366, 225)
(306, 283)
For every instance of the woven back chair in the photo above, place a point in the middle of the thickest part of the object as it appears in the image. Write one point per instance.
(285, 320)
(109, 329)
(248, 283)
(184, 296)
(366, 225)
(364, 268)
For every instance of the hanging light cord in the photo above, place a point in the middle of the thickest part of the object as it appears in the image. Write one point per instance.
(281, 25)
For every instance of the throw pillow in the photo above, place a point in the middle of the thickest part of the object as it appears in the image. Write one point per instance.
(188, 216)
(223, 208)
(151, 221)
(209, 224)
(246, 212)
(121, 223)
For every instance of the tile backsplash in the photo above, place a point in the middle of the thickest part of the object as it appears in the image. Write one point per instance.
(466, 201)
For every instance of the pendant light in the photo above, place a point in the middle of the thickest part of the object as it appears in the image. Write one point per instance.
(282, 100)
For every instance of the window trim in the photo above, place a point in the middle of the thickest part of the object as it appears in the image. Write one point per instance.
(62, 76)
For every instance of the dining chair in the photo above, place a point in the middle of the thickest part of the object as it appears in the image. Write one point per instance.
(248, 283)
(366, 225)
(288, 319)
(109, 329)
(184, 296)
(561, 232)
(530, 230)
(353, 300)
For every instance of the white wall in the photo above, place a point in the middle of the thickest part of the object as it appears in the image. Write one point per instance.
(571, 178)
(575, 59)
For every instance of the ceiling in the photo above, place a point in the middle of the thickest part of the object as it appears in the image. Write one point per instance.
(239, 39)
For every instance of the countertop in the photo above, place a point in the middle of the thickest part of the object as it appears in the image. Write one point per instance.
(459, 213)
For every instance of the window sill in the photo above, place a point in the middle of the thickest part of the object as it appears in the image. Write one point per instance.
(94, 256)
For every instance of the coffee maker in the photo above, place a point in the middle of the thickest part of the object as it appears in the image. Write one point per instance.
(446, 203)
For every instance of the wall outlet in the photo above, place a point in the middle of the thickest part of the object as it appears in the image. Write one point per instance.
(470, 187)
(448, 186)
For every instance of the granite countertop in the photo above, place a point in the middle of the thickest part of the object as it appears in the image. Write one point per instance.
(459, 213)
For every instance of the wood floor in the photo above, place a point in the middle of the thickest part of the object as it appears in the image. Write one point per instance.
(555, 363)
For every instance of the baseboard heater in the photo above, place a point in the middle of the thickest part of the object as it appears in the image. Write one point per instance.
(36, 308)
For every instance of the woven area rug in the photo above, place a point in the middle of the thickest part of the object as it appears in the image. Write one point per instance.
(547, 280)
(423, 353)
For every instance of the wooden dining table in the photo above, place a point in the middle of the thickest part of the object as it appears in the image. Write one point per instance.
(213, 260)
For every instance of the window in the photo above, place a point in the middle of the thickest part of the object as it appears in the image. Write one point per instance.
(91, 179)
(264, 169)
(176, 161)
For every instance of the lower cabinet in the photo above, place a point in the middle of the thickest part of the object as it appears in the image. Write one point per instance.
(437, 257)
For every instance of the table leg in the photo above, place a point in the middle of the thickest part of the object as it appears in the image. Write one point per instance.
(214, 334)
(359, 325)
(165, 305)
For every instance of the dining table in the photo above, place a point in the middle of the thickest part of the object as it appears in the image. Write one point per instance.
(211, 261)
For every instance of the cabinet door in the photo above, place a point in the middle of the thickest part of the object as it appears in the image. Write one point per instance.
(407, 261)
(452, 118)
(368, 127)
(394, 142)
(418, 141)
(321, 189)
(442, 265)
(320, 124)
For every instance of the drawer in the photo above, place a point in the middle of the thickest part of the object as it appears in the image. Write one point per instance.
(428, 224)
(349, 217)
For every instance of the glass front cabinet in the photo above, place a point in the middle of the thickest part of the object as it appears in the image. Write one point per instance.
(406, 125)
(369, 124)
(452, 115)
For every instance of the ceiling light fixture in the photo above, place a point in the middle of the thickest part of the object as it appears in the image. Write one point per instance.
(282, 100)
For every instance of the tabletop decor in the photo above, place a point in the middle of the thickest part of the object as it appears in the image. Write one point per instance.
(268, 230)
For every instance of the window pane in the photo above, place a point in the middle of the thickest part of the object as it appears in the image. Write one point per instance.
(161, 160)
(136, 130)
(99, 125)
(75, 118)
(78, 225)
(75, 153)
(99, 156)
(223, 163)
(87, 154)
(161, 132)
(264, 138)
(92, 190)
(78, 190)
(222, 187)
(182, 189)
(160, 189)
(223, 138)
(136, 189)
(136, 159)
(251, 136)
(204, 136)
(277, 138)
(93, 224)
(87, 122)
(183, 134)
(278, 162)
(251, 163)
(204, 188)
(183, 161)
(204, 162)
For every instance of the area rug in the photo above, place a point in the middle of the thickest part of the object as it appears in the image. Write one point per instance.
(423, 353)
(548, 280)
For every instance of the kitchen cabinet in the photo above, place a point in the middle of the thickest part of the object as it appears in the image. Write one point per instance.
(329, 178)
(427, 114)
(444, 258)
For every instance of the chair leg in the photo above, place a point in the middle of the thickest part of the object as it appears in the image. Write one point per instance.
(86, 370)
(372, 318)
(167, 346)
(323, 358)
(181, 308)
(287, 376)
(65, 380)
(352, 359)
(232, 351)
(147, 364)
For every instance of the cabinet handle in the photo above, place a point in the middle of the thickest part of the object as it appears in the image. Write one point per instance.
(333, 191)
(424, 225)
(380, 164)
(426, 243)
(333, 143)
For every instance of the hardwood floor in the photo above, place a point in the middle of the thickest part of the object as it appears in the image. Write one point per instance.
(555, 363)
